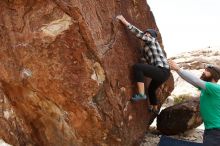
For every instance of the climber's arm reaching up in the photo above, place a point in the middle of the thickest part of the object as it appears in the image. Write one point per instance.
(187, 76)
(140, 34)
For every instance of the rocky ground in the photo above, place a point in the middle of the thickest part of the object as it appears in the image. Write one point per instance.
(152, 138)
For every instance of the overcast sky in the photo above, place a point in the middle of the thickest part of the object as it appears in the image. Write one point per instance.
(187, 24)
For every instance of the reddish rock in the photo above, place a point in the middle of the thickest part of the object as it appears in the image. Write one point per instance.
(179, 118)
(66, 73)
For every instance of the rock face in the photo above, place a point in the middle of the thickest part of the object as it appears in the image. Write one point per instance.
(179, 118)
(66, 74)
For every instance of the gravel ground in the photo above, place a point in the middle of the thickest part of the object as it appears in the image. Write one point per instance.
(152, 138)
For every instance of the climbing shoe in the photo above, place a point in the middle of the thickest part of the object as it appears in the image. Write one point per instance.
(138, 97)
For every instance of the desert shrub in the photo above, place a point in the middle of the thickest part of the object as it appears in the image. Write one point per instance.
(181, 98)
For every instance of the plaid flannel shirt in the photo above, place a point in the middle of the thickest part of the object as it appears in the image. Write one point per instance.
(152, 51)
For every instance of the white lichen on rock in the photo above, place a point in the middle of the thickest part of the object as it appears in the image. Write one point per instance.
(98, 74)
(26, 73)
(56, 27)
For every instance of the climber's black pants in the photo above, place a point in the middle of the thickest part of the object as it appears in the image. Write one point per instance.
(158, 75)
(211, 137)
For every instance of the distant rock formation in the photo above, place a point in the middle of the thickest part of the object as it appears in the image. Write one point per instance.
(196, 60)
(66, 72)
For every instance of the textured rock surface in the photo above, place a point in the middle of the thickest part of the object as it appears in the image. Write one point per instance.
(179, 118)
(66, 72)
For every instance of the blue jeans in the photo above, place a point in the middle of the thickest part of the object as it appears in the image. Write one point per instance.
(211, 137)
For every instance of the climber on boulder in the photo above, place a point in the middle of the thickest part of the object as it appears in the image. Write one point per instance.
(157, 68)
(209, 99)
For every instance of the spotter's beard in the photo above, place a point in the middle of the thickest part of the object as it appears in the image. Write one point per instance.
(205, 78)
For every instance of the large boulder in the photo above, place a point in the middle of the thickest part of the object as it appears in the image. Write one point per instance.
(66, 72)
(179, 118)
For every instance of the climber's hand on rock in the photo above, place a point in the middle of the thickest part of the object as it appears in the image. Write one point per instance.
(123, 20)
(120, 17)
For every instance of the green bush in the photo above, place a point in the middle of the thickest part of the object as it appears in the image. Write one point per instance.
(181, 98)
